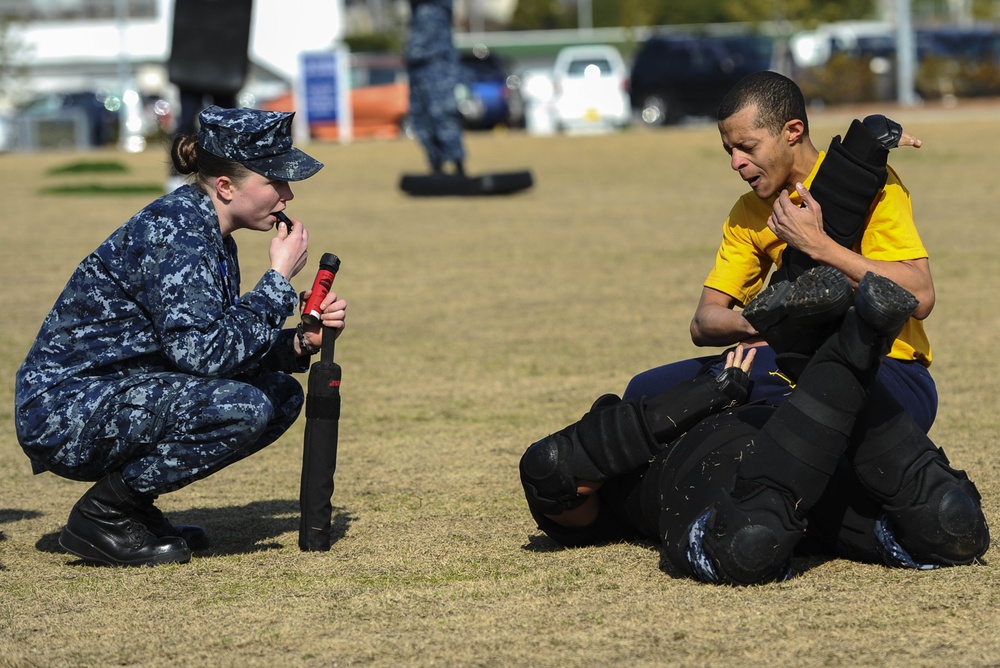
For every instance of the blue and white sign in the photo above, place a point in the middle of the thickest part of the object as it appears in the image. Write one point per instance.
(324, 90)
(319, 74)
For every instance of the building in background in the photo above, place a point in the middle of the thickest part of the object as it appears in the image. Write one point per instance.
(68, 45)
(118, 50)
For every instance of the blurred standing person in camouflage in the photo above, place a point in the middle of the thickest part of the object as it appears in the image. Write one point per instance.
(152, 371)
(432, 67)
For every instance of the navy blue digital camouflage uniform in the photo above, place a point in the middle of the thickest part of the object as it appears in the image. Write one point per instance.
(150, 362)
(432, 68)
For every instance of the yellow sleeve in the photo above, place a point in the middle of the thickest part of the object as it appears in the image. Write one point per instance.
(747, 252)
(891, 234)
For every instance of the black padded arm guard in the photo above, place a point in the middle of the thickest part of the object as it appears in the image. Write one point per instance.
(848, 182)
(674, 412)
(617, 436)
(847, 185)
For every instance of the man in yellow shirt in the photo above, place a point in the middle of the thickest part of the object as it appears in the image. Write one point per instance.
(725, 506)
(765, 130)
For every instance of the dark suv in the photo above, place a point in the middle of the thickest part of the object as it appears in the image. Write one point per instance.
(483, 91)
(678, 76)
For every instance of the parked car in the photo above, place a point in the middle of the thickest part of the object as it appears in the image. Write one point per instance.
(590, 88)
(530, 101)
(958, 61)
(677, 76)
(99, 119)
(88, 119)
(380, 99)
(482, 92)
(856, 61)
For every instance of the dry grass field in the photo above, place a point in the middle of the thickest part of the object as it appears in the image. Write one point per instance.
(475, 327)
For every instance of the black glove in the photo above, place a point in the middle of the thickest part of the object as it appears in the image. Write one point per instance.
(735, 384)
(886, 130)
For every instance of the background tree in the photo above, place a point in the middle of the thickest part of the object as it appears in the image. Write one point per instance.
(548, 14)
(802, 12)
(538, 15)
(609, 13)
(10, 72)
(629, 13)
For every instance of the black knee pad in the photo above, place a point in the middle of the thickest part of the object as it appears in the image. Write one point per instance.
(750, 540)
(610, 440)
(549, 486)
(944, 523)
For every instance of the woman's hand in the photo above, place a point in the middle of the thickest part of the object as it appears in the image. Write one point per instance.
(333, 314)
(289, 250)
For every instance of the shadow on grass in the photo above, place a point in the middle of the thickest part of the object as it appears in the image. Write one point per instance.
(800, 564)
(8, 515)
(802, 561)
(237, 530)
(542, 543)
(98, 168)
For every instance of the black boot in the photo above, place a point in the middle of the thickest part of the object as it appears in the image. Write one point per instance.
(883, 307)
(102, 529)
(797, 317)
(151, 516)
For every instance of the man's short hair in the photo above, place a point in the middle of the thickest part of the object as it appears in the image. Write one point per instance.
(778, 99)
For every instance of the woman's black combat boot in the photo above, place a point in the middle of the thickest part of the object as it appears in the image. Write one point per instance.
(102, 529)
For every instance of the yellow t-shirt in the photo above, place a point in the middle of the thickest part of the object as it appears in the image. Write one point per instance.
(749, 249)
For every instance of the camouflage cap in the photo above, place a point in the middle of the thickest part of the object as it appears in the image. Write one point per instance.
(258, 140)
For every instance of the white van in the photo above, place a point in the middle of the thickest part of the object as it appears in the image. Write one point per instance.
(591, 88)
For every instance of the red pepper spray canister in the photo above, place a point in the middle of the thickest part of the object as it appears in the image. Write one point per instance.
(329, 264)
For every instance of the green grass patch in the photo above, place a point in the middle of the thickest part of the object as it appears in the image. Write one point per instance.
(104, 189)
(90, 167)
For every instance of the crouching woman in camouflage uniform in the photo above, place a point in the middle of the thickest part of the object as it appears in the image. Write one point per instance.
(152, 371)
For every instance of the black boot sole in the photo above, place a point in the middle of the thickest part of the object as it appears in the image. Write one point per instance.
(820, 295)
(768, 308)
(883, 304)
